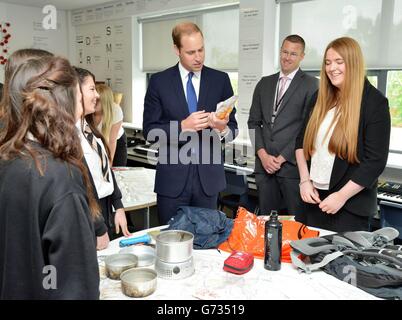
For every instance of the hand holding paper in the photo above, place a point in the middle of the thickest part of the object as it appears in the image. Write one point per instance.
(224, 108)
(216, 123)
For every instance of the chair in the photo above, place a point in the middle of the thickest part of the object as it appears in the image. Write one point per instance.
(236, 192)
(391, 216)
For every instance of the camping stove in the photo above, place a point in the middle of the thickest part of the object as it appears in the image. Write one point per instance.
(174, 254)
(174, 270)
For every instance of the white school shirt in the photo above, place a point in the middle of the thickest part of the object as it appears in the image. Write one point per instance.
(196, 80)
(103, 187)
(322, 161)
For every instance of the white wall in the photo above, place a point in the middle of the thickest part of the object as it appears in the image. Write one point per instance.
(257, 53)
(119, 10)
(104, 48)
(27, 32)
(64, 41)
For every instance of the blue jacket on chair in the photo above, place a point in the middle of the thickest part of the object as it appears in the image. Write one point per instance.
(209, 227)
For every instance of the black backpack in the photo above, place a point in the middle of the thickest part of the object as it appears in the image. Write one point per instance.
(368, 260)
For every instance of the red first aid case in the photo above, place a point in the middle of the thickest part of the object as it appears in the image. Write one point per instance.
(239, 262)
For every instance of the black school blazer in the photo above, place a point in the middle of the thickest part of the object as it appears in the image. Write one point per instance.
(372, 152)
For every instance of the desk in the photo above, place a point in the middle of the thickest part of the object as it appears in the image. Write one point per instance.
(210, 282)
(137, 188)
(140, 154)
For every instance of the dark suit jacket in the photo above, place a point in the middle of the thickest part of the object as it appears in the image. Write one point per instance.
(165, 106)
(280, 138)
(372, 152)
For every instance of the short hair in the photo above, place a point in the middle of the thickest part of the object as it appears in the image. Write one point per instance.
(184, 28)
(295, 38)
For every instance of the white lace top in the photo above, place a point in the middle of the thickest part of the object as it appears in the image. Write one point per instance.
(322, 160)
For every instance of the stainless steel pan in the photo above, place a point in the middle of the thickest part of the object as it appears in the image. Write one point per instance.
(174, 246)
(115, 264)
(138, 282)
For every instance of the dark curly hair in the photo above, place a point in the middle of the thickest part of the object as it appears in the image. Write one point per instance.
(42, 101)
(83, 75)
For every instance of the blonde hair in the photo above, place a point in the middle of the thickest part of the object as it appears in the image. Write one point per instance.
(343, 142)
(106, 101)
(117, 97)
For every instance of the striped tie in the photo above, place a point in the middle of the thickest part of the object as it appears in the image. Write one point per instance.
(97, 147)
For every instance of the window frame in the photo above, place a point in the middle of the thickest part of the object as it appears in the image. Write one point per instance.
(195, 14)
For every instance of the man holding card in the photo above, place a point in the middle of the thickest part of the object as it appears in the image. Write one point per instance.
(179, 114)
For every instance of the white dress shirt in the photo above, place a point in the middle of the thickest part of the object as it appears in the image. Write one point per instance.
(196, 80)
(290, 77)
(103, 187)
(322, 161)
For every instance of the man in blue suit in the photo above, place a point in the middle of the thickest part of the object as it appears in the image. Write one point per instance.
(179, 114)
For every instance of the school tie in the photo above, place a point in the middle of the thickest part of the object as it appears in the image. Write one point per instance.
(97, 147)
(191, 96)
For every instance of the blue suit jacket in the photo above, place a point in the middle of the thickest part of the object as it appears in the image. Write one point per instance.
(165, 106)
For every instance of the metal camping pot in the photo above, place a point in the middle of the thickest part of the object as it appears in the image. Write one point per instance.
(138, 283)
(115, 264)
(174, 246)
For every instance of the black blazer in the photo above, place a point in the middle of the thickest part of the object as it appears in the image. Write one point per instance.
(372, 152)
(44, 220)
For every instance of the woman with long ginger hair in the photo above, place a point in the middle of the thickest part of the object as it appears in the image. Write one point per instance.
(47, 243)
(345, 142)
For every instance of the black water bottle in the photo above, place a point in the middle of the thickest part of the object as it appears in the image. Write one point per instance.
(273, 243)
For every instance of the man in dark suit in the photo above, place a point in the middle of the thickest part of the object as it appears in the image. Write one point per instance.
(179, 114)
(280, 103)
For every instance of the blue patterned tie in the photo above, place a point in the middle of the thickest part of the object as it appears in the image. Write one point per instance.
(191, 96)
